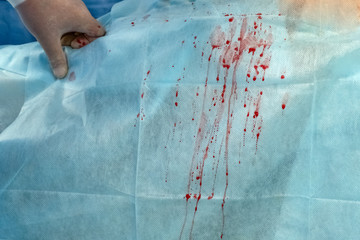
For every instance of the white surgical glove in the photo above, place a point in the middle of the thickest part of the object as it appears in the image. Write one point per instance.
(57, 23)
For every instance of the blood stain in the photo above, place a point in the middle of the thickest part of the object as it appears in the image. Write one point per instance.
(72, 76)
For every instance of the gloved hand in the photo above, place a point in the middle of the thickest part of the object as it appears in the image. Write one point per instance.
(57, 23)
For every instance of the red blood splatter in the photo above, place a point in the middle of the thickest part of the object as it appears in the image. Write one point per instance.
(148, 73)
(226, 66)
(132, 23)
(217, 38)
(282, 76)
(229, 57)
(256, 69)
(176, 104)
(142, 95)
(252, 50)
(285, 101)
(177, 93)
(231, 19)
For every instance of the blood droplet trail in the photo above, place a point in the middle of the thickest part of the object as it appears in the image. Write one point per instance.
(285, 101)
(228, 52)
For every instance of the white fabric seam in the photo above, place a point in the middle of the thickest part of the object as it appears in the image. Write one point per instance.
(15, 3)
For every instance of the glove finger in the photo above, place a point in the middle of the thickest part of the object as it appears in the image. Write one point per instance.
(91, 27)
(56, 56)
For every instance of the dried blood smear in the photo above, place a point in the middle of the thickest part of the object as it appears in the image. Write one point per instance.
(231, 50)
(72, 76)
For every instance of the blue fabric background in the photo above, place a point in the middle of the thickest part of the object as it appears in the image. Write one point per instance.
(123, 147)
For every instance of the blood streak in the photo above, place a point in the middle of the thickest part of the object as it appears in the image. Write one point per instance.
(216, 43)
(217, 38)
(228, 54)
(257, 123)
(285, 101)
(256, 69)
(252, 50)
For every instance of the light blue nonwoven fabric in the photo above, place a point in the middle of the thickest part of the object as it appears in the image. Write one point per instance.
(188, 120)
